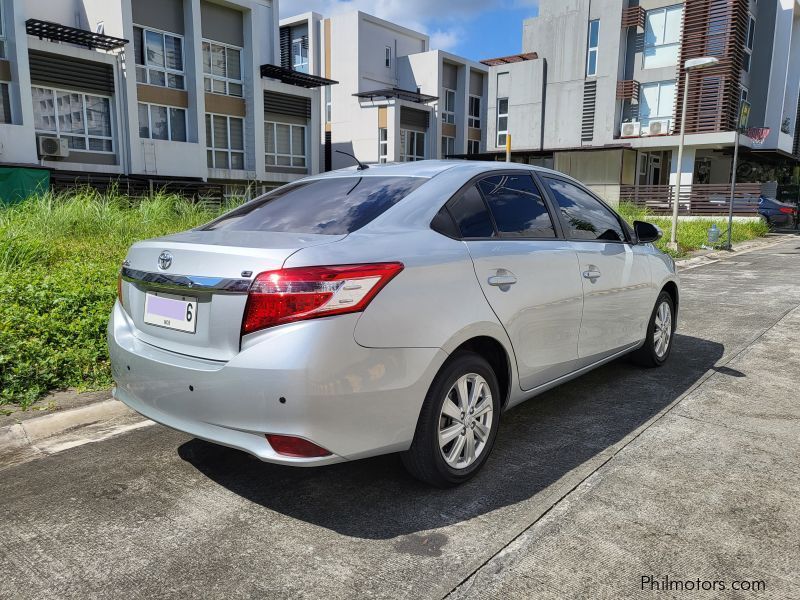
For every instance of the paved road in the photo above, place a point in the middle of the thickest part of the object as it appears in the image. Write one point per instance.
(691, 471)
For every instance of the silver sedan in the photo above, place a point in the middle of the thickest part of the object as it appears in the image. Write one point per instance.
(396, 308)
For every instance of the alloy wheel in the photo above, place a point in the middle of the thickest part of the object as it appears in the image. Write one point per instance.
(662, 336)
(465, 421)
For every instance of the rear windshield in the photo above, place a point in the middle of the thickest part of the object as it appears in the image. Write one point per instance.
(328, 206)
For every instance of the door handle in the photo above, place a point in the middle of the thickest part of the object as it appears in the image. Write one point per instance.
(592, 274)
(502, 280)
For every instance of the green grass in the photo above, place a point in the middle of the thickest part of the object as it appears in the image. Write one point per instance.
(692, 234)
(59, 259)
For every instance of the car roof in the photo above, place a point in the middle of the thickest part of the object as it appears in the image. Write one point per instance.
(429, 168)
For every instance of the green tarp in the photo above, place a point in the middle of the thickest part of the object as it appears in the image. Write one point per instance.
(18, 183)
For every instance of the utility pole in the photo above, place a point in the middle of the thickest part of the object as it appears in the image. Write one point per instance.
(508, 147)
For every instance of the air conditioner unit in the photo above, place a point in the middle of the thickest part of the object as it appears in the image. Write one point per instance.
(52, 146)
(631, 129)
(658, 127)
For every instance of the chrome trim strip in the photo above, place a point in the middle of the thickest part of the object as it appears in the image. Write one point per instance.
(182, 283)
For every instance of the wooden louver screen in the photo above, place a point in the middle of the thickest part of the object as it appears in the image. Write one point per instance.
(712, 28)
(633, 16)
(628, 90)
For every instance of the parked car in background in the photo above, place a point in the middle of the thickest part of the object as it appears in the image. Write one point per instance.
(777, 214)
(397, 308)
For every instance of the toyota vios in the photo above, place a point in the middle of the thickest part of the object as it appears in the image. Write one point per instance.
(398, 308)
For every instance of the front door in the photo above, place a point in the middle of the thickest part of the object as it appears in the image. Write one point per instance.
(528, 274)
(617, 287)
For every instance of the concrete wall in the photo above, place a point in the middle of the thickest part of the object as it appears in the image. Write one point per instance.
(526, 104)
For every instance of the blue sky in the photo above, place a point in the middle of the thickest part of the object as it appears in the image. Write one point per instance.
(478, 29)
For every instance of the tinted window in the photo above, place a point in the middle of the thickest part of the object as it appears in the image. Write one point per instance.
(517, 206)
(584, 217)
(470, 214)
(330, 206)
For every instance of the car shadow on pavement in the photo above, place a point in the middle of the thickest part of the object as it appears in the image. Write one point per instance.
(539, 442)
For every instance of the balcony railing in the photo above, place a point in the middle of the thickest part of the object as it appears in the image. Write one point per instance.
(697, 199)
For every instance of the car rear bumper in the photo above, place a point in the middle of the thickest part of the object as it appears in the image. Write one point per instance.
(353, 401)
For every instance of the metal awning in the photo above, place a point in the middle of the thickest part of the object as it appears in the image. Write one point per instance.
(293, 77)
(397, 93)
(55, 32)
(514, 58)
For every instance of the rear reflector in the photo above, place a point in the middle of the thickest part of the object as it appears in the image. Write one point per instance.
(787, 210)
(289, 445)
(288, 295)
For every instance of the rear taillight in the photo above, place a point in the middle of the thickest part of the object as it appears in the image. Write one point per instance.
(289, 445)
(786, 210)
(287, 295)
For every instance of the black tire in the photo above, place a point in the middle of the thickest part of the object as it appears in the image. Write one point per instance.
(647, 355)
(424, 460)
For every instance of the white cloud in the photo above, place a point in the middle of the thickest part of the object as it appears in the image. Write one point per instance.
(445, 40)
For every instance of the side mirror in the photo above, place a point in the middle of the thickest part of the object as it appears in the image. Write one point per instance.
(646, 232)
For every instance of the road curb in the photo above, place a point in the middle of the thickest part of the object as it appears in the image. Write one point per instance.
(756, 244)
(31, 431)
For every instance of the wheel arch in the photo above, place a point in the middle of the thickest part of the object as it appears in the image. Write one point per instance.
(496, 354)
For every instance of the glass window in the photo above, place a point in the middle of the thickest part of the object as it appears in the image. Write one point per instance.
(591, 53)
(334, 206)
(473, 147)
(656, 101)
(471, 215)
(159, 58)
(84, 120)
(502, 121)
(517, 206)
(584, 216)
(448, 146)
(449, 108)
(383, 144)
(2, 33)
(412, 145)
(5, 104)
(387, 59)
(222, 69)
(474, 112)
(748, 45)
(224, 142)
(300, 54)
(286, 144)
(162, 122)
(662, 36)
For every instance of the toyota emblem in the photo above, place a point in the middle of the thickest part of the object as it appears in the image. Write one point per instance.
(164, 260)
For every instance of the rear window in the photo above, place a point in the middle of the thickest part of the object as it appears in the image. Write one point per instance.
(328, 206)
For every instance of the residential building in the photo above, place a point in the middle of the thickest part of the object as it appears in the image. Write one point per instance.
(598, 88)
(397, 99)
(154, 92)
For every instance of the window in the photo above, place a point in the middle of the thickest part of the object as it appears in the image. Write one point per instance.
(471, 215)
(387, 57)
(473, 147)
(335, 206)
(656, 101)
(662, 37)
(327, 104)
(744, 96)
(224, 142)
(583, 215)
(412, 145)
(82, 119)
(162, 122)
(286, 144)
(5, 104)
(502, 121)
(449, 108)
(222, 69)
(300, 54)
(2, 33)
(474, 112)
(748, 45)
(591, 52)
(383, 144)
(517, 206)
(448, 146)
(159, 58)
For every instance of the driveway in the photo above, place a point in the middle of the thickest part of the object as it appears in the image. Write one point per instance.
(689, 472)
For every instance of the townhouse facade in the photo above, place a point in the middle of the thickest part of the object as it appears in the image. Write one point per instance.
(396, 98)
(154, 92)
(597, 91)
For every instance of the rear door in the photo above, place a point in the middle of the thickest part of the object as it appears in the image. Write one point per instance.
(618, 296)
(528, 272)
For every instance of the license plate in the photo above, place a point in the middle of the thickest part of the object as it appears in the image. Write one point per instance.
(172, 312)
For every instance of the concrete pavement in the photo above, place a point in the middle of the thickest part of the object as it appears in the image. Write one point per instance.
(686, 471)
